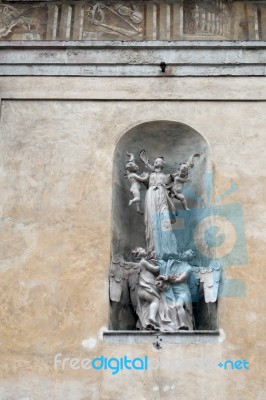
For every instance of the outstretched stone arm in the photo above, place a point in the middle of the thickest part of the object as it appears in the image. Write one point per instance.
(131, 264)
(141, 178)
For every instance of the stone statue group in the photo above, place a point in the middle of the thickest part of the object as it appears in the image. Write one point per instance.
(162, 281)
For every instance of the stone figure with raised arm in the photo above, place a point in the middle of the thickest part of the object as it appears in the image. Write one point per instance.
(159, 210)
(135, 181)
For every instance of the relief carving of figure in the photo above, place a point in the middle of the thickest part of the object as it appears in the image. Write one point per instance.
(10, 18)
(127, 17)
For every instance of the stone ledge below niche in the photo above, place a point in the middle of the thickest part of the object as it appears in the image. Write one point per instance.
(154, 337)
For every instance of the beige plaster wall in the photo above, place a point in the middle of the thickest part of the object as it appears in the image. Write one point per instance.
(56, 160)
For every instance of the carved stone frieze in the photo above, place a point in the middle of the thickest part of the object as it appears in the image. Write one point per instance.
(136, 20)
(12, 17)
(122, 19)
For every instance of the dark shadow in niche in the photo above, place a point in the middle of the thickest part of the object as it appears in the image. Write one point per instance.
(176, 142)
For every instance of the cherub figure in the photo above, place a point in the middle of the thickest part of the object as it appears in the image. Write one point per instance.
(135, 181)
(180, 178)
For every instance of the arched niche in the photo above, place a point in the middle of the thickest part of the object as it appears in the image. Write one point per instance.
(176, 142)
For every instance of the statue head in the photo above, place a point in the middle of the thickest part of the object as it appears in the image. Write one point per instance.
(188, 255)
(152, 254)
(159, 162)
(131, 167)
(183, 168)
(139, 252)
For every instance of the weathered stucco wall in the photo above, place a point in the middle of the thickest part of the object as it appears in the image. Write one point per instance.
(56, 195)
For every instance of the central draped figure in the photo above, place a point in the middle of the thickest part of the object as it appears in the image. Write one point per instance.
(159, 212)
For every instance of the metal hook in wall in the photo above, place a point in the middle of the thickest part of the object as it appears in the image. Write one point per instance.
(163, 66)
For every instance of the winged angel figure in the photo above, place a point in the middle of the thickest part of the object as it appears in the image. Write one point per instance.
(162, 292)
(147, 300)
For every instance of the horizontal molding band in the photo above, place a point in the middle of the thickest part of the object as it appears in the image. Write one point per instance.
(132, 71)
(140, 337)
(133, 59)
(134, 88)
(156, 44)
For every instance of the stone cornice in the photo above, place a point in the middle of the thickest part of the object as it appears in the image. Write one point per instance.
(114, 58)
(152, 44)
